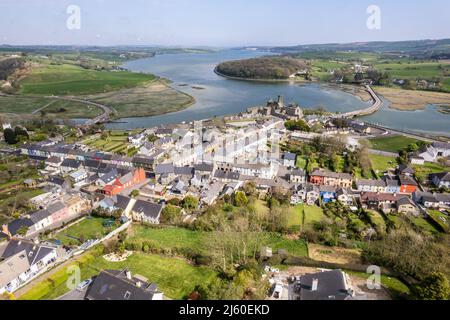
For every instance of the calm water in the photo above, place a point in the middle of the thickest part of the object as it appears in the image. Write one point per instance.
(222, 96)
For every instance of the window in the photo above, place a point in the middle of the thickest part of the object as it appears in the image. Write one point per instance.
(127, 295)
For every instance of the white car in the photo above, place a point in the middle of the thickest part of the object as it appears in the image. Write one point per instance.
(83, 285)
(278, 291)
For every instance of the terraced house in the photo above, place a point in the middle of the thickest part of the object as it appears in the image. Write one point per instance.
(328, 178)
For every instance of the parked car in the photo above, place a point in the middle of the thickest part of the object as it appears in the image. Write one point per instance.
(278, 291)
(83, 285)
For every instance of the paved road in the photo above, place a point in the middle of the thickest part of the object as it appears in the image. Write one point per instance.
(73, 295)
(383, 153)
(377, 103)
(105, 117)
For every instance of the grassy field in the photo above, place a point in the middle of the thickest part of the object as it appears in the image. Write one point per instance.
(89, 228)
(380, 164)
(117, 142)
(312, 214)
(391, 144)
(71, 109)
(378, 221)
(429, 168)
(301, 162)
(424, 225)
(180, 238)
(69, 79)
(175, 277)
(441, 219)
(147, 100)
(22, 104)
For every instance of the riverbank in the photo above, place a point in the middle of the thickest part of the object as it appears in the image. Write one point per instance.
(412, 100)
(295, 80)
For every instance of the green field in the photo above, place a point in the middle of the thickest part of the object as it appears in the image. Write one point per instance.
(22, 104)
(312, 214)
(429, 168)
(89, 228)
(381, 164)
(175, 277)
(391, 144)
(437, 216)
(71, 109)
(180, 238)
(424, 225)
(378, 221)
(69, 79)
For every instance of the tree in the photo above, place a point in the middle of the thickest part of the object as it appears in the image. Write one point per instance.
(10, 136)
(240, 199)
(434, 287)
(23, 230)
(250, 188)
(170, 214)
(297, 125)
(190, 202)
(135, 193)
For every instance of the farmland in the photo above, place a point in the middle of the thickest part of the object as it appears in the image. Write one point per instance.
(391, 144)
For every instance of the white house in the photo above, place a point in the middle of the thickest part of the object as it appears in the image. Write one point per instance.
(21, 261)
(436, 151)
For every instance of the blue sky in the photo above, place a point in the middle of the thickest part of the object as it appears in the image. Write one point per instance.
(220, 22)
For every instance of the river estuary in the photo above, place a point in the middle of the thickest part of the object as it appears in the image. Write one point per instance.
(193, 73)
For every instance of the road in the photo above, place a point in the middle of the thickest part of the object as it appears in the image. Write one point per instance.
(105, 117)
(377, 103)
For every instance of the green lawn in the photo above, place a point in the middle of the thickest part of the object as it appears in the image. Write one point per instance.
(391, 144)
(175, 277)
(72, 109)
(438, 216)
(312, 214)
(180, 238)
(429, 168)
(381, 164)
(69, 79)
(378, 221)
(301, 162)
(89, 228)
(424, 225)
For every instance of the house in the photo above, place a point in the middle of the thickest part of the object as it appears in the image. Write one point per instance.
(427, 199)
(441, 180)
(69, 165)
(257, 170)
(406, 206)
(407, 184)
(53, 163)
(147, 149)
(328, 178)
(147, 212)
(137, 139)
(297, 176)
(165, 173)
(326, 285)
(392, 185)
(289, 159)
(13, 228)
(380, 201)
(444, 200)
(127, 181)
(417, 160)
(144, 162)
(117, 202)
(405, 170)
(107, 179)
(312, 194)
(345, 196)
(78, 176)
(327, 193)
(21, 261)
(366, 185)
(434, 152)
(121, 285)
(298, 194)
(52, 215)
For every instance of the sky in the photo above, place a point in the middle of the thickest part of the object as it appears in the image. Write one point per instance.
(219, 23)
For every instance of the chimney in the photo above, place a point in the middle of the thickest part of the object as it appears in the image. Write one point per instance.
(315, 285)
(138, 284)
(128, 273)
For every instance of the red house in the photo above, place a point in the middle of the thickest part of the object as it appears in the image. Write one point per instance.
(407, 184)
(127, 181)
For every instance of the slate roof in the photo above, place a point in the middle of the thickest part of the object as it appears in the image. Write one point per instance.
(70, 163)
(289, 156)
(149, 209)
(34, 251)
(164, 168)
(43, 214)
(114, 285)
(331, 286)
(15, 225)
(184, 171)
(204, 167)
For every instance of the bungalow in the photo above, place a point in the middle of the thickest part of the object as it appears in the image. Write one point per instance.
(441, 180)
(21, 261)
(127, 181)
(327, 193)
(120, 285)
(326, 285)
(365, 185)
(328, 178)
(147, 212)
(406, 206)
(407, 184)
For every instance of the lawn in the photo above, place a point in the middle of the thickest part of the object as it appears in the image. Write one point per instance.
(301, 162)
(69, 79)
(424, 225)
(71, 110)
(175, 277)
(22, 104)
(89, 228)
(381, 164)
(437, 216)
(429, 168)
(378, 221)
(180, 238)
(391, 144)
(312, 214)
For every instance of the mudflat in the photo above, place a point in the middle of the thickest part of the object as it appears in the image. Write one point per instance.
(410, 100)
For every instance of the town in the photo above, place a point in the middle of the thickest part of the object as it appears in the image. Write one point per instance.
(316, 166)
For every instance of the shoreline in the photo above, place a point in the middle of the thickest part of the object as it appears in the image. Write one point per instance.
(261, 80)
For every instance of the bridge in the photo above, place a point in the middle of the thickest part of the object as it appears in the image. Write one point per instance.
(377, 103)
